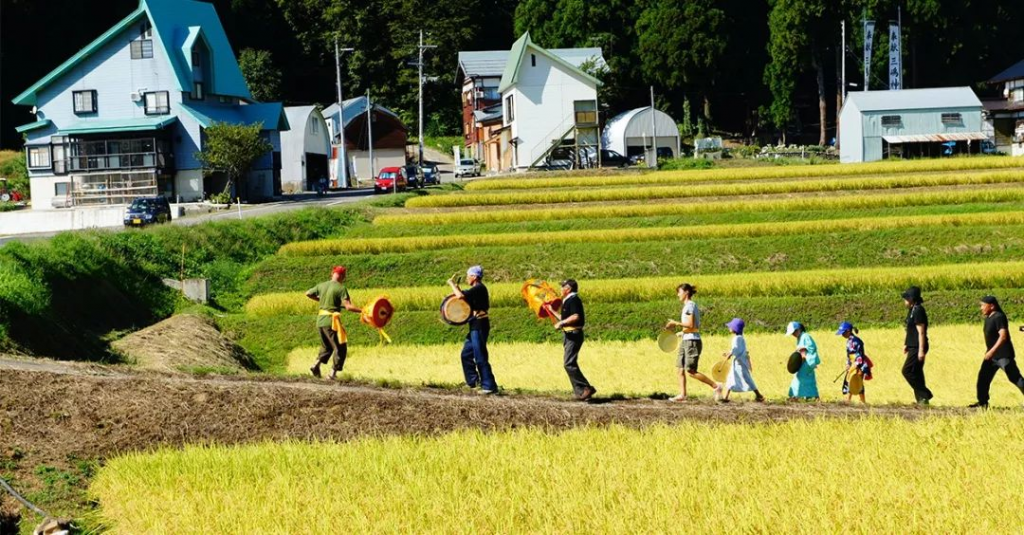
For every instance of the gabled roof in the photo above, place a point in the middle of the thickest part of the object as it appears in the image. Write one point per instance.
(515, 58)
(271, 115)
(491, 63)
(33, 126)
(913, 99)
(354, 107)
(1013, 73)
(175, 22)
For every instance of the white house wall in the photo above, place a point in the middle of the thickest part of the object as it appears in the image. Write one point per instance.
(851, 143)
(544, 97)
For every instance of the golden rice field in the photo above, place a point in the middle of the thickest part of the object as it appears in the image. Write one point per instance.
(640, 369)
(625, 193)
(866, 475)
(775, 283)
(831, 201)
(745, 230)
(750, 173)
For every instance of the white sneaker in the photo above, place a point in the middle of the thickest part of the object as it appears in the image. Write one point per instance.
(488, 392)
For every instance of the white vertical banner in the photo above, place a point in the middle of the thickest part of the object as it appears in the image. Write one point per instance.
(895, 57)
(869, 39)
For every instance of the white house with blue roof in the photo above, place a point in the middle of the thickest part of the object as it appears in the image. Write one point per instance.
(124, 117)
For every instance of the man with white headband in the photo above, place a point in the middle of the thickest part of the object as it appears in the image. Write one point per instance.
(475, 360)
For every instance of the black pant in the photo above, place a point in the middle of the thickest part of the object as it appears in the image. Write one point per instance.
(988, 372)
(913, 372)
(572, 342)
(329, 346)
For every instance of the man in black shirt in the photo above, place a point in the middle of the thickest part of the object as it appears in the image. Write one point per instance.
(476, 364)
(571, 325)
(1000, 354)
(916, 345)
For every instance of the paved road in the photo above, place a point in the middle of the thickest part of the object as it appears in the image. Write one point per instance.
(293, 202)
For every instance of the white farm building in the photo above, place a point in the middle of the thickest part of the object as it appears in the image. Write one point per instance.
(909, 122)
(630, 132)
(304, 149)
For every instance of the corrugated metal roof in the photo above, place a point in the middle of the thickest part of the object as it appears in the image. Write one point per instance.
(913, 99)
(936, 138)
(355, 107)
(491, 63)
(636, 123)
(271, 115)
(515, 58)
(1014, 72)
(136, 124)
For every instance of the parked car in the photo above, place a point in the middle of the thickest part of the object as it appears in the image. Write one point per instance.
(431, 175)
(467, 167)
(609, 158)
(146, 211)
(412, 175)
(663, 153)
(387, 179)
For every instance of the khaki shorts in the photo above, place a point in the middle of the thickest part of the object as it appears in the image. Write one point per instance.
(689, 354)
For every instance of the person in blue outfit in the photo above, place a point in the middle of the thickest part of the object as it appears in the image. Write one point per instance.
(805, 384)
(857, 361)
(476, 364)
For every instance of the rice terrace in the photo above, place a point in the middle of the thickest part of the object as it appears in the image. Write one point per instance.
(699, 266)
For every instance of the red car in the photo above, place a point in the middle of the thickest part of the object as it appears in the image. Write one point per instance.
(385, 180)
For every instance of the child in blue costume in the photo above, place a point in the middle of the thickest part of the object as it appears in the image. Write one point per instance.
(805, 384)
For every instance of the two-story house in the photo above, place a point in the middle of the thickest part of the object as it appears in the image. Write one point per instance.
(481, 73)
(124, 117)
(547, 103)
(1006, 115)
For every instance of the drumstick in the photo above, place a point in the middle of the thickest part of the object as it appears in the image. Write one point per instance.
(844, 372)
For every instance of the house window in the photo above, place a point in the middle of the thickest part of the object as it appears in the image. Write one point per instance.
(197, 92)
(60, 189)
(891, 121)
(510, 109)
(952, 119)
(85, 101)
(39, 157)
(197, 59)
(586, 111)
(533, 60)
(314, 127)
(147, 30)
(142, 49)
(158, 103)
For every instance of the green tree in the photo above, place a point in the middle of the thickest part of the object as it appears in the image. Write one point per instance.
(798, 31)
(680, 45)
(262, 76)
(232, 149)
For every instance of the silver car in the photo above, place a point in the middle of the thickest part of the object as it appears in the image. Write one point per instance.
(467, 167)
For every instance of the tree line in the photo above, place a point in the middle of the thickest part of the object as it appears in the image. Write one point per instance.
(764, 69)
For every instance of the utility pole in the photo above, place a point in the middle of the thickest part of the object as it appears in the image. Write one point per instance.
(842, 79)
(654, 134)
(342, 153)
(419, 64)
(369, 134)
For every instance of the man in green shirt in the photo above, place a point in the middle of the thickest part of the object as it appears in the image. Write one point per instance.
(333, 297)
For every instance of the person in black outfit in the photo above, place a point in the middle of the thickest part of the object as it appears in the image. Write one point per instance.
(571, 325)
(916, 345)
(476, 365)
(1000, 354)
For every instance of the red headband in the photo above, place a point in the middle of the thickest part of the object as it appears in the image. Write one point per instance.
(340, 270)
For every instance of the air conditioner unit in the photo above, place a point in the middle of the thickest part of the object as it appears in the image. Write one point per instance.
(136, 96)
(479, 94)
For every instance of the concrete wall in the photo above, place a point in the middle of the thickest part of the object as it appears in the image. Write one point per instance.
(381, 158)
(544, 96)
(32, 221)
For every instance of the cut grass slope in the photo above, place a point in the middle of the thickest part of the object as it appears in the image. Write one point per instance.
(930, 475)
(756, 173)
(626, 193)
(749, 230)
(687, 258)
(836, 282)
(821, 201)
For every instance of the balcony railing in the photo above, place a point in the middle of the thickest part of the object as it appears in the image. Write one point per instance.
(129, 161)
(86, 155)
